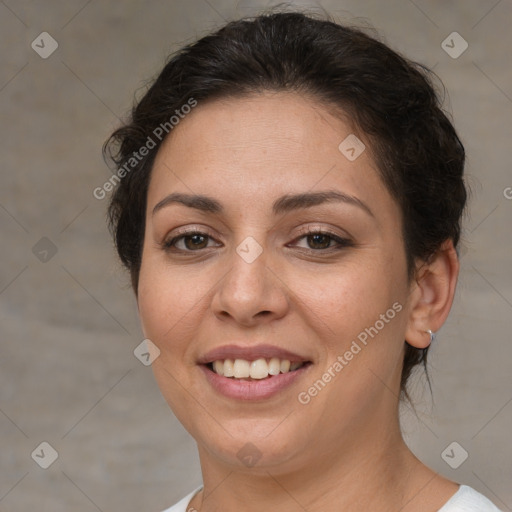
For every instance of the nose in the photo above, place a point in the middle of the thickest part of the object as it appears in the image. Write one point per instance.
(251, 292)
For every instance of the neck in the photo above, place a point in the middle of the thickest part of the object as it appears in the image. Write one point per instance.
(381, 474)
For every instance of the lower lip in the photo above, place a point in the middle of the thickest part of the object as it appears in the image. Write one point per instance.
(252, 389)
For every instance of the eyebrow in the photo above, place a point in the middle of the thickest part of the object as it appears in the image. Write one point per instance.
(284, 204)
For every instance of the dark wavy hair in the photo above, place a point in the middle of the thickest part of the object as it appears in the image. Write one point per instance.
(390, 99)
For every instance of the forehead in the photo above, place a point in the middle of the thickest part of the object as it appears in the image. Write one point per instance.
(262, 146)
(261, 125)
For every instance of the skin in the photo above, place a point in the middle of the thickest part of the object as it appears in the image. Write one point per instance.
(343, 450)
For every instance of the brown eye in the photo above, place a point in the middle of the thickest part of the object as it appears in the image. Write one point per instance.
(319, 241)
(195, 241)
(190, 242)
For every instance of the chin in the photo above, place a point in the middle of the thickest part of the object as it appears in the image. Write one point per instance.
(249, 445)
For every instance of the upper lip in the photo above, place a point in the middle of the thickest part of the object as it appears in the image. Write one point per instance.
(249, 353)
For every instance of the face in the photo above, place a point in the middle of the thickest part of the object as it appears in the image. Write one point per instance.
(292, 260)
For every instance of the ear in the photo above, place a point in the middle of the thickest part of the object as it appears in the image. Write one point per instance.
(432, 295)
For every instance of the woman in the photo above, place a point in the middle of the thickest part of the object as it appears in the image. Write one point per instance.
(289, 205)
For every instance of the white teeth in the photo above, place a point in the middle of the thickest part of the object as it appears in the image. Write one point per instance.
(257, 369)
(274, 366)
(228, 368)
(218, 367)
(241, 369)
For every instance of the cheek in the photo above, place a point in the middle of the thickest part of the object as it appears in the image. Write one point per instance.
(167, 303)
(359, 315)
(348, 299)
(166, 310)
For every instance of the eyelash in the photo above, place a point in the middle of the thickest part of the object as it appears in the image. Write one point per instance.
(167, 245)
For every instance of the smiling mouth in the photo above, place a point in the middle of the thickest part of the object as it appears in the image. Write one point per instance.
(258, 369)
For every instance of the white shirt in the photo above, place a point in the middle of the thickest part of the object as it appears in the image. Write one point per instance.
(466, 499)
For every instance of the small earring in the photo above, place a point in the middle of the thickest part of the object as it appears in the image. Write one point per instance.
(432, 335)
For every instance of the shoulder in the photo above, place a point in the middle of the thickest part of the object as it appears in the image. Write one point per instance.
(182, 505)
(466, 499)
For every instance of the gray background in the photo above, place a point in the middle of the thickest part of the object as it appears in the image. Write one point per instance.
(68, 375)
